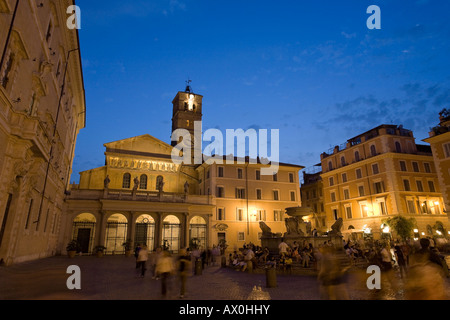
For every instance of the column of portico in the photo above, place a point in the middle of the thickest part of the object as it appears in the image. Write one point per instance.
(101, 228)
(131, 232)
(158, 229)
(184, 230)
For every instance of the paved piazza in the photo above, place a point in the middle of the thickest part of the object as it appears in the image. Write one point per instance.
(114, 278)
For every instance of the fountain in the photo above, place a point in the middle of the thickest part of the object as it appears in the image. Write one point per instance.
(300, 231)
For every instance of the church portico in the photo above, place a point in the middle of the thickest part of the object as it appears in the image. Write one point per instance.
(154, 224)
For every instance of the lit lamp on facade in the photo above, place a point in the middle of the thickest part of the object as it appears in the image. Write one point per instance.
(416, 234)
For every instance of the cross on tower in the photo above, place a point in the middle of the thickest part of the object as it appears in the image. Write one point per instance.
(188, 86)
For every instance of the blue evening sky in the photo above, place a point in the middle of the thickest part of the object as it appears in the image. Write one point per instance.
(311, 69)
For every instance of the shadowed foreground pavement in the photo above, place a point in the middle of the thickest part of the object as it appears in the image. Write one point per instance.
(114, 278)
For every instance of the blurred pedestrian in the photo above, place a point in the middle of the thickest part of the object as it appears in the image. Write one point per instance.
(136, 253)
(184, 261)
(165, 268)
(142, 260)
(425, 275)
(401, 261)
(332, 276)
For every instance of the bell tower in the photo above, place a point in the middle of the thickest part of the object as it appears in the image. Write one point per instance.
(187, 109)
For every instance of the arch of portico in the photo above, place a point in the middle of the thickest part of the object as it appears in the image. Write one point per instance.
(112, 228)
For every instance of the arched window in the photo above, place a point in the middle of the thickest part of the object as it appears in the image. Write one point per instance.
(373, 150)
(126, 181)
(357, 156)
(159, 183)
(143, 182)
(398, 147)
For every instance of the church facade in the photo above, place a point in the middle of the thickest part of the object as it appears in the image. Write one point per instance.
(141, 196)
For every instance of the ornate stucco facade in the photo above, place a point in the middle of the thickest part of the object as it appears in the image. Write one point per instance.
(141, 195)
(42, 109)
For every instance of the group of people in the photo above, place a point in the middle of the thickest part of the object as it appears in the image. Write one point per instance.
(164, 265)
(261, 257)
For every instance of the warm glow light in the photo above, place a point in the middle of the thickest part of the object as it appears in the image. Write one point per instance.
(386, 229)
(438, 232)
(436, 203)
(423, 233)
(416, 230)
